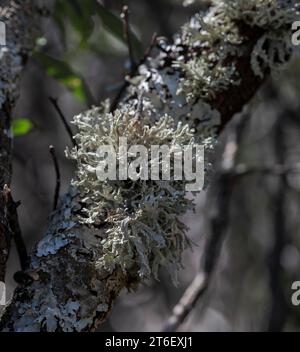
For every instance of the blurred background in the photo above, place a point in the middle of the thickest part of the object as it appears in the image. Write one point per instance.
(82, 58)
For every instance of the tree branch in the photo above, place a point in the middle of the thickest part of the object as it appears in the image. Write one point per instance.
(20, 20)
(63, 119)
(57, 174)
(191, 80)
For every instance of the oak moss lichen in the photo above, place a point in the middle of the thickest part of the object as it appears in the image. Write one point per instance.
(141, 219)
(220, 37)
(142, 227)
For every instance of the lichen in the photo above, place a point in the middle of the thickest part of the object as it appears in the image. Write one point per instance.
(220, 37)
(266, 14)
(130, 227)
(51, 244)
(204, 79)
(143, 230)
(275, 17)
(141, 219)
(159, 85)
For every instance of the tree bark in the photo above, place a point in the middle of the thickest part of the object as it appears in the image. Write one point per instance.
(64, 290)
(21, 22)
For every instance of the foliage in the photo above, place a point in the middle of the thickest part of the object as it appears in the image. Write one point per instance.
(66, 75)
(81, 16)
(21, 127)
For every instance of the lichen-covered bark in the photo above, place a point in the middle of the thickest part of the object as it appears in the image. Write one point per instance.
(208, 73)
(20, 20)
(64, 289)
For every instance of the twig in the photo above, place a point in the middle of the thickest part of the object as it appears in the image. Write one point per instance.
(63, 119)
(133, 72)
(149, 49)
(12, 217)
(57, 172)
(187, 302)
(125, 16)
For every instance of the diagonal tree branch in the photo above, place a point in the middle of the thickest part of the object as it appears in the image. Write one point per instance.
(210, 72)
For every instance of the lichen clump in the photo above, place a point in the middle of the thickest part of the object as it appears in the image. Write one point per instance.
(141, 224)
(141, 219)
(222, 37)
(275, 18)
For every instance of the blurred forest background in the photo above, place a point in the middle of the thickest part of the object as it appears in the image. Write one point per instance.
(93, 60)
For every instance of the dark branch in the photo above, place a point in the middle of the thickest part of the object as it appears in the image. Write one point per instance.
(63, 119)
(125, 16)
(58, 178)
(13, 221)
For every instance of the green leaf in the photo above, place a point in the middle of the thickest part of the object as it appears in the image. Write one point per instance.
(80, 15)
(64, 73)
(21, 127)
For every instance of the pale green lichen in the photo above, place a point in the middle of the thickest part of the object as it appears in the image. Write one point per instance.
(206, 74)
(266, 14)
(275, 17)
(160, 87)
(272, 51)
(204, 78)
(219, 39)
(143, 230)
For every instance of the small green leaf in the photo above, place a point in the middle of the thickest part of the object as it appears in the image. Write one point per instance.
(21, 127)
(64, 73)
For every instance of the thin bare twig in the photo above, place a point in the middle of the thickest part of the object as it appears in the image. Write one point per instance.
(187, 302)
(125, 16)
(149, 49)
(63, 119)
(58, 179)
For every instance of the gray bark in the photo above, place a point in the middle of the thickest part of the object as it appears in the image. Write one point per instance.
(21, 22)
